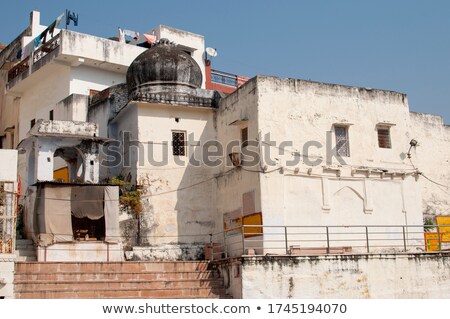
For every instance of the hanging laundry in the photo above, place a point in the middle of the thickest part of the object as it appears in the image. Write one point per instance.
(150, 38)
(121, 36)
(19, 54)
(44, 36)
(131, 34)
(37, 41)
(71, 16)
(55, 24)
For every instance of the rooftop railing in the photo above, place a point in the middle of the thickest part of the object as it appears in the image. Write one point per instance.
(23, 67)
(329, 240)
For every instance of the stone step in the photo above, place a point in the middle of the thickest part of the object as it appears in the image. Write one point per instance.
(24, 242)
(25, 252)
(70, 276)
(21, 286)
(189, 293)
(85, 267)
(140, 279)
(26, 259)
(25, 247)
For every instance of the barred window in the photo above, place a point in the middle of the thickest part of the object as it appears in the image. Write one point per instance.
(342, 143)
(178, 143)
(384, 137)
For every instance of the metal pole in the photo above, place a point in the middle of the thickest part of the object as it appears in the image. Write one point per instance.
(367, 239)
(439, 237)
(286, 240)
(243, 239)
(225, 244)
(404, 238)
(211, 246)
(328, 240)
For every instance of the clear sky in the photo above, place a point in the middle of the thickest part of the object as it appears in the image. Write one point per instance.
(401, 45)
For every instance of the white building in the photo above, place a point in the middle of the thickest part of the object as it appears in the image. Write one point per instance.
(8, 206)
(283, 152)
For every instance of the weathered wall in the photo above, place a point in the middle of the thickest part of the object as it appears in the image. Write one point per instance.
(86, 78)
(242, 184)
(72, 108)
(179, 196)
(432, 158)
(358, 276)
(8, 165)
(39, 97)
(105, 51)
(371, 186)
(7, 275)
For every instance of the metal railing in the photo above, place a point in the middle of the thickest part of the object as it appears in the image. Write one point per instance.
(224, 78)
(37, 55)
(327, 240)
(46, 48)
(18, 69)
(7, 218)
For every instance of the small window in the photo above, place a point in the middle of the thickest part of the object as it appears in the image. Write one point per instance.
(342, 143)
(244, 136)
(178, 143)
(32, 122)
(384, 137)
(50, 115)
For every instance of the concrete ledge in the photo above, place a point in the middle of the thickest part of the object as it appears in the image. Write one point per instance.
(7, 275)
(402, 275)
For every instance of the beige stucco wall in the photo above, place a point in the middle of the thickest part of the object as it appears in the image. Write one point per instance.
(354, 192)
(360, 276)
(179, 196)
(45, 88)
(432, 158)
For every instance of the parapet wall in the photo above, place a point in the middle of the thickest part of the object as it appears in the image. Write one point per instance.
(347, 276)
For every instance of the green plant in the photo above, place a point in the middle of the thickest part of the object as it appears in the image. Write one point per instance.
(429, 224)
(20, 224)
(129, 196)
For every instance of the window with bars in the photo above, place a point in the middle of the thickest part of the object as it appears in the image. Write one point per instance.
(384, 137)
(178, 143)
(342, 142)
(244, 136)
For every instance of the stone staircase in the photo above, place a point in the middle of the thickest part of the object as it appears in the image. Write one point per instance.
(180, 279)
(25, 250)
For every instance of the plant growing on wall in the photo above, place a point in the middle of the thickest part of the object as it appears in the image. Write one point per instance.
(129, 199)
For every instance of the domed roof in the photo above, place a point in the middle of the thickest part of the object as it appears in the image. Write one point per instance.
(163, 64)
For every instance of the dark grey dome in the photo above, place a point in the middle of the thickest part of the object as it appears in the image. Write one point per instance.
(163, 64)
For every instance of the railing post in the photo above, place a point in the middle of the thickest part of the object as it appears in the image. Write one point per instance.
(367, 239)
(211, 246)
(328, 240)
(225, 244)
(439, 237)
(243, 239)
(404, 238)
(286, 240)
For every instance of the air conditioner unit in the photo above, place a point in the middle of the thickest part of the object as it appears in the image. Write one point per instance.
(235, 158)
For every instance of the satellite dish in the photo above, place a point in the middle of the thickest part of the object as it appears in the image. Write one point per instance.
(211, 52)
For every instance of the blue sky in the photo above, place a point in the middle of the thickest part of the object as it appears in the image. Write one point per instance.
(399, 45)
